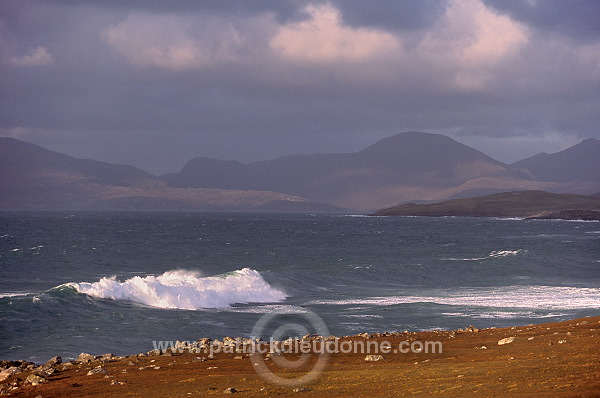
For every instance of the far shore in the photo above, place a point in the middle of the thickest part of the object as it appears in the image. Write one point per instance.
(560, 359)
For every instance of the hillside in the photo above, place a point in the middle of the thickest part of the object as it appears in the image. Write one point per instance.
(407, 166)
(32, 177)
(507, 204)
(580, 162)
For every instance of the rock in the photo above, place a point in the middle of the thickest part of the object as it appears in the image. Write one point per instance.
(53, 361)
(577, 214)
(34, 379)
(45, 371)
(238, 357)
(114, 383)
(108, 357)
(97, 370)
(229, 390)
(84, 357)
(506, 340)
(301, 389)
(562, 341)
(374, 358)
(6, 373)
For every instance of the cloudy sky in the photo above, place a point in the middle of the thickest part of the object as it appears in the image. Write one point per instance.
(154, 83)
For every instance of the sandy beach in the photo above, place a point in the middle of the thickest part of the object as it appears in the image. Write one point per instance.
(545, 360)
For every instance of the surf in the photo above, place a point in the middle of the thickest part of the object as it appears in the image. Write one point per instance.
(184, 289)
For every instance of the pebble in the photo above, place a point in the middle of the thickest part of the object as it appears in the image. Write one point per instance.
(374, 358)
(301, 389)
(229, 390)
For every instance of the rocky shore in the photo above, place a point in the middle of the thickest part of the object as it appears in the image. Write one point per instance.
(554, 360)
(583, 215)
(521, 204)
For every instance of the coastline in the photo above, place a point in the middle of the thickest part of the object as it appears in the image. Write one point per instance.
(552, 359)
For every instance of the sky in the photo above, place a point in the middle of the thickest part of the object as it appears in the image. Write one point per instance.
(155, 83)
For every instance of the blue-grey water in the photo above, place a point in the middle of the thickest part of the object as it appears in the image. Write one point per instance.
(100, 282)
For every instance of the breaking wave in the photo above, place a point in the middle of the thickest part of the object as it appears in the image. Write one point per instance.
(493, 254)
(180, 289)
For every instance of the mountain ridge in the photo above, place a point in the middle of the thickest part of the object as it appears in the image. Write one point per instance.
(406, 167)
(555, 167)
(35, 178)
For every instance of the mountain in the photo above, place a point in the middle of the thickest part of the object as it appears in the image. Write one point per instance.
(407, 166)
(507, 204)
(580, 162)
(32, 177)
(403, 168)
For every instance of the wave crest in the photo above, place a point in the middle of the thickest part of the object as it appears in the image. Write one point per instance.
(188, 290)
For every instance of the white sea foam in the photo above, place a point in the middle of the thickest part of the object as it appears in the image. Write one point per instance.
(14, 294)
(186, 289)
(493, 254)
(530, 297)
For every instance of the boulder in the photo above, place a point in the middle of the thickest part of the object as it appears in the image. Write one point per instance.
(506, 340)
(53, 361)
(97, 370)
(84, 357)
(6, 373)
(34, 379)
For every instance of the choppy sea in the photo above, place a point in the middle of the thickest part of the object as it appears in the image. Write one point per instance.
(99, 282)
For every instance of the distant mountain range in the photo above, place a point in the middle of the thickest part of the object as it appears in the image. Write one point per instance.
(406, 167)
(32, 177)
(581, 162)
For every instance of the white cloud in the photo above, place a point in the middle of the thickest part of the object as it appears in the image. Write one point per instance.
(472, 41)
(173, 42)
(37, 57)
(323, 38)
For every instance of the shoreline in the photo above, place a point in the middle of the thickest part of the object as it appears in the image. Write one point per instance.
(548, 359)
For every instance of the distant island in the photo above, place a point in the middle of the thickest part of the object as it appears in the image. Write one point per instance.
(523, 204)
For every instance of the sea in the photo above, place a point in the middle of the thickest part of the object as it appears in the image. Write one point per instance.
(100, 282)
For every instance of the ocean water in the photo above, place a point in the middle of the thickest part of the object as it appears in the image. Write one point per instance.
(99, 282)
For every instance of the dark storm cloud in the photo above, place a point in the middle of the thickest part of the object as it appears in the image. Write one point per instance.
(391, 14)
(155, 83)
(284, 10)
(579, 19)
